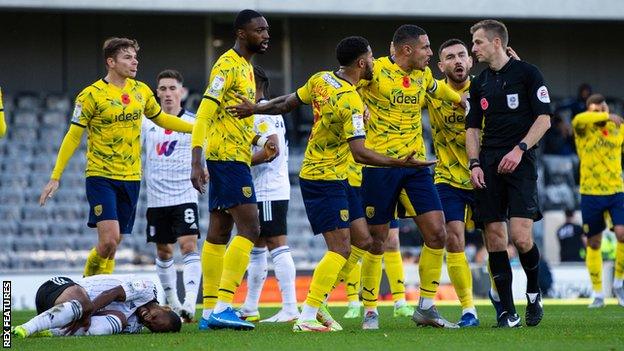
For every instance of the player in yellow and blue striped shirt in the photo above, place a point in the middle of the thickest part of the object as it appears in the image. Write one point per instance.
(3, 126)
(395, 97)
(232, 198)
(599, 139)
(452, 177)
(338, 129)
(111, 110)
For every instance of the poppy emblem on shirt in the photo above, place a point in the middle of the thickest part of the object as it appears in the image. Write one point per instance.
(484, 104)
(605, 132)
(125, 98)
(168, 131)
(406, 82)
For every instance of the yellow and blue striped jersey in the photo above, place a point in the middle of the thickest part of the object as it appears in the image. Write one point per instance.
(449, 141)
(338, 117)
(395, 99)
(229, 138)
(599, 146)
(112, 117)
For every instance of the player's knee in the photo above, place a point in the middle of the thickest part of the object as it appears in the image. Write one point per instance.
(187, 247)
(437, 238)
(454, 244)
(594, 242)
(619, 232)
(343, 250)
(524, 243)
(377, 246)
(363, 243)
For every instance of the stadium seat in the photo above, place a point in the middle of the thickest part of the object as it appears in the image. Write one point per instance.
(28, 243)
(32, 211)
(25, 118)
(28, 101)
(60, 103)
(11, 196)
(33, 227)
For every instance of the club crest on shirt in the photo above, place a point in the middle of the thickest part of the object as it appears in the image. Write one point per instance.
(370, 211)
(344, 215)
(512, 101)
(246, 191)
(97, 210)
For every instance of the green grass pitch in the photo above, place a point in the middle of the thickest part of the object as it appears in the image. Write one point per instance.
(565, 327)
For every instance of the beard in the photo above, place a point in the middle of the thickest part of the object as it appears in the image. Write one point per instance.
(256, 48)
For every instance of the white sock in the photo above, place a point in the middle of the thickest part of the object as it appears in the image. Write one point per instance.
(370, 309)
(598, 295)
(221, 306)
(167, 274)
(285, 273)
(256, 276)
(191, 276)
(100, 325)
(308, 313)
(532, 296)
(617, 283)
(56, 317)
(425, 303)
(399, 303)
(206, 312)
(470, 310)
(494, 294)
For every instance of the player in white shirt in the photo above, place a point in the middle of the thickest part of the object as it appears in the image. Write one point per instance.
(98, 305)
(172, 214)
(272, 186)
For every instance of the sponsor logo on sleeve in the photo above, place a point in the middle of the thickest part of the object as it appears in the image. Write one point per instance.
(484, 104)
(542, 94)
(216, 86)
(358, 125)
(76, 114)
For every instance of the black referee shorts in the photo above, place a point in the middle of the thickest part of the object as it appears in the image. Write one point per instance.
(49, 291)
(273, 217)
(507, 195)
(166, 224)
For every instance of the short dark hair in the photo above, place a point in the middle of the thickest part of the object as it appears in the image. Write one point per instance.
(595, 99)
(407, 32)
(350, 49)
(493, 29)
(244, 17)
(262, 80)
(450, 42)
(112, 46)
(170, 73)
(176, 323)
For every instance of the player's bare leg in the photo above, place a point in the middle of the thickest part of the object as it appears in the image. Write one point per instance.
(101, 259)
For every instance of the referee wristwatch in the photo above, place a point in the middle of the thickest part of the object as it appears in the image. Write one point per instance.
(473, 162)
(523, 146)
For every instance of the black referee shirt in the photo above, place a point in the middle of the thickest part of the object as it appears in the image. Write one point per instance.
(505, 103)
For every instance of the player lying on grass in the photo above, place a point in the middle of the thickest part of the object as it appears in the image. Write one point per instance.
(98, 305)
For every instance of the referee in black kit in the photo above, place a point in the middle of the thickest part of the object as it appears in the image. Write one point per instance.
(510, 101)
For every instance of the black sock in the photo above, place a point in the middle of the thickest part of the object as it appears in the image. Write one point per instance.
(501, 272)
(530, 263)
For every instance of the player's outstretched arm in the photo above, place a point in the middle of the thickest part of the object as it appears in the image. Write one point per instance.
(171, 122)
(369, 157)
(104, 299)
(70, 143)
(279, 105)
(442, 91)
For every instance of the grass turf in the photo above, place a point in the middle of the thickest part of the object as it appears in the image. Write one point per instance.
(565, 327)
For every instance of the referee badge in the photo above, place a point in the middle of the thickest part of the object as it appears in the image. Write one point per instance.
(344, 215)
(97, 210)
(247, 191)
(370, 211)
(512, 101)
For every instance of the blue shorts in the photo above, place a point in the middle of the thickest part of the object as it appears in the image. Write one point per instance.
(326, 203)
(230, 185)
(111, 199)
(394, 224)
(356, 210)
(593, 208)
(381, 188)
(455, 202)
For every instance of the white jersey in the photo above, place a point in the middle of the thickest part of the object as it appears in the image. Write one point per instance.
(270, 179)
(167, 166)
(138, 293)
